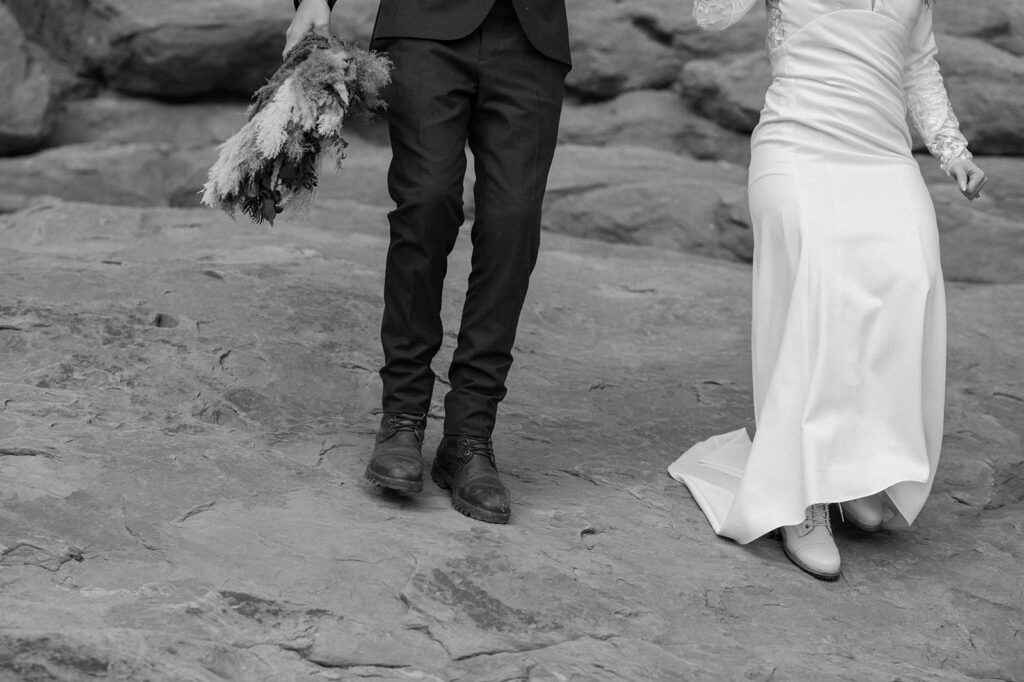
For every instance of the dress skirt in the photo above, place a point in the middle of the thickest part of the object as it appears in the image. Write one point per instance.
(848, 329)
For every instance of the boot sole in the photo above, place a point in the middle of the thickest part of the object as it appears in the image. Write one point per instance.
(463, 507)
(820, 575)
(399, 484)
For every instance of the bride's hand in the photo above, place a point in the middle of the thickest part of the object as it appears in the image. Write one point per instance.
(969, 178)
(311, 15)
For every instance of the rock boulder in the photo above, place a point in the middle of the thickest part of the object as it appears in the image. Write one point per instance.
(621, 46)
(652, 118)
(27, 108)
(986, 86)
(634, 195)
(169, 49)
(729, 91)
(998, 22)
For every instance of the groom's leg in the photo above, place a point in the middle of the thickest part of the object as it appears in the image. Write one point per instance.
(429, 106)
(513, 132)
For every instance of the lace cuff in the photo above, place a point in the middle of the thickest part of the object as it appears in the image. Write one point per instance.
(927, 99)
(776, 29)
(717, 15)
(941, 133)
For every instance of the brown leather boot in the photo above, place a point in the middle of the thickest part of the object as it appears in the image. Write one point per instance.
(397, 462)
(465, 465)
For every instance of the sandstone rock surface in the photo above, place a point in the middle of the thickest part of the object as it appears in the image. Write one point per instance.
(187, 402)
(27, 108)
(634, 195)
(173, 49)
(168, 49)
(730, 91)
(636, 44)
(659, 119)
(621, 194)
(986, 86)
(186, 407)
(996, 22)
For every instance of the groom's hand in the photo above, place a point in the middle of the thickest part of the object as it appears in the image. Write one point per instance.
(310, 15)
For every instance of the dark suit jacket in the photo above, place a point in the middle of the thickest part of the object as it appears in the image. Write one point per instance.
(544, 21)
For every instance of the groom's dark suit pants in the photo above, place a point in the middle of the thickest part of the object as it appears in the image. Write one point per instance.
(494, 91)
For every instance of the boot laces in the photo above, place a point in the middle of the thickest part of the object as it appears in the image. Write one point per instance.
(406, 422)
(479, 447)
(817, 515)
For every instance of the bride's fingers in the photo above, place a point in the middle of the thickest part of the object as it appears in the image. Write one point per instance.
(960, 175)
(976, 182)
(973, 191)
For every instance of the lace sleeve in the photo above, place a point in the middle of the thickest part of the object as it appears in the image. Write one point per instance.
(717, 15)
(927, 100)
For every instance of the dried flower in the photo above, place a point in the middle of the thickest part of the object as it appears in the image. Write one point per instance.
(297, 117)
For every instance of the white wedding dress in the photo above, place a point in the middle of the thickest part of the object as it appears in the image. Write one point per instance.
(848, 305)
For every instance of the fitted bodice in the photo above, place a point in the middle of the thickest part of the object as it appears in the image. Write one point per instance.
(792, 15)
(913, 53)
(836, 93)
(787, 17)
(795, 14)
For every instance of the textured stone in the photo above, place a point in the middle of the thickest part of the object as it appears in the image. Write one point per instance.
(115, 119)
(729, 91)
(732, 221)
(652, 118)
(187, 402)
(986, 86)
(615, 50)
(978, 245)
(132, 174)
(27, 107)
(175, 49)
(999, 23)
(624, 194)
(640, 44)
(169, 49)
(133, 151)
(185, 501)
(634, 195)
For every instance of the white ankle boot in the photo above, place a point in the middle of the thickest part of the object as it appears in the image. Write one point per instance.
(867, 513)
(810, 546)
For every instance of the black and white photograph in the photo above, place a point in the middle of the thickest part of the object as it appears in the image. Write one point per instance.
(512, 340)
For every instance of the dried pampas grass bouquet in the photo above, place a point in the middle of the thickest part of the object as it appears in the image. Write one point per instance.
(298, 116)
